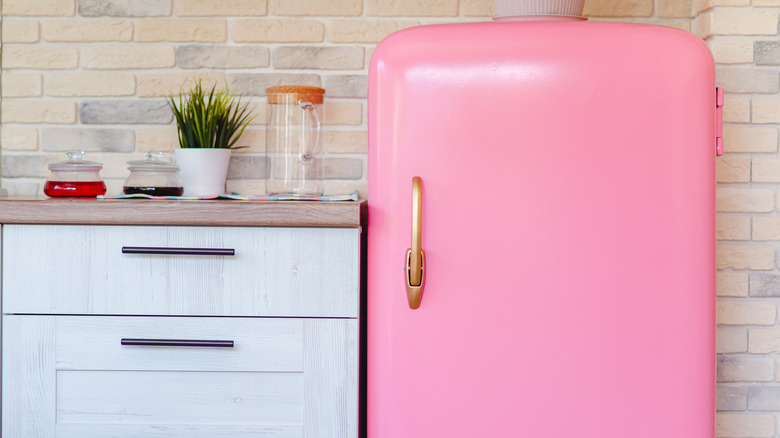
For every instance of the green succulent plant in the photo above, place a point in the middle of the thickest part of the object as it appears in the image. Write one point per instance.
(214, 119)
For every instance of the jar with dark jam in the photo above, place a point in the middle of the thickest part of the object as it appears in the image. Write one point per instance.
(153, 176)
(75, 178)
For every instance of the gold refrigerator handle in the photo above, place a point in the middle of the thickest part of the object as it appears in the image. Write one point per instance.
(415, 256)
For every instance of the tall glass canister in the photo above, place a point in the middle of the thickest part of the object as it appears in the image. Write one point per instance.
(293, 140)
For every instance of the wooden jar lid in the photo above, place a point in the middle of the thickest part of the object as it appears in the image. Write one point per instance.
(304, 93)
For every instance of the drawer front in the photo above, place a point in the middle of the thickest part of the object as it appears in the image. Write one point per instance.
(60, 269)
(70, 376)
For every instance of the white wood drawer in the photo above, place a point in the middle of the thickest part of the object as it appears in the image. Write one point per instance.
(62, 269)
(69, 376)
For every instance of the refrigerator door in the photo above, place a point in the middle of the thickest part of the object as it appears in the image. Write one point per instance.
(567, 219)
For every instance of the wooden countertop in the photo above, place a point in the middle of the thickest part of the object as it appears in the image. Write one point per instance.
(30, 210)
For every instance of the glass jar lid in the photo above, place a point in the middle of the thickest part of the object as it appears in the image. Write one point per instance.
(75, 163)
(154, 162)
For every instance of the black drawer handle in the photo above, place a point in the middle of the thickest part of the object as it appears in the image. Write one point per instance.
(178, 251)
(176, 343)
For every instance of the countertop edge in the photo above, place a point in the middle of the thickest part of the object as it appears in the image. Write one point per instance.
(341, 214)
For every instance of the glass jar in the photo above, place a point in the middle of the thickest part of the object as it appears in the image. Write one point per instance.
(75, 178)
(153, 176)
(293, 140)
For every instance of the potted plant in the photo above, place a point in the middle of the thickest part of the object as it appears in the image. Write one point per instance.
(209, 124)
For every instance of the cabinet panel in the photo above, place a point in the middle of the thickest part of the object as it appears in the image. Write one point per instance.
(161, 397)
(178, 391)
(176, 431)
(310, 272)
(260, 344)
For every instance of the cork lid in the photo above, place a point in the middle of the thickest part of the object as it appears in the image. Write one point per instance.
(303, 93)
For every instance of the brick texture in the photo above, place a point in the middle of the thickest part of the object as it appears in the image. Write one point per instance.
(736, 109)
(732, 284)
(733, 169)
(360, 31)
(125, 112)
(766, 228)
(765, 398)
(744, 80)
(219, 8)
(164, 85)
(747, 138)
(767, 52)
(731, 398)
(755, 257)
(39, 58)
(41, 8)
(316, 58)
(349, 142)
(477, 8)
(764, 285)
(765, 170)
(733, 425)
(740, 312)
(75, 85)
(766, 110)
(618, 8)
(344, 113)
(277, 31)
(156, 30)
(731, 340)
(22, 85)
(38, 111)
(745, 200)
(741, 369)
(96, 31)
(411, 8)
(26, 165)
(127, 57)
(762, 341)
(90, 140)
(733, 227)
(124, 8)
(248, 167)
(165, 140)
(674, 8)
(346, 85)
(255, 84)
(20, 31)
(19, 139)
(745, 21)
(342, 168)
(317, 7)
(732, 50)
(211, 57)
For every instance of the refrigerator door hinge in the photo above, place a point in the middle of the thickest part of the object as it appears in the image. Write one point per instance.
(719, 121)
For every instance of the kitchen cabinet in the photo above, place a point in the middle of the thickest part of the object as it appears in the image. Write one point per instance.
(88, 322)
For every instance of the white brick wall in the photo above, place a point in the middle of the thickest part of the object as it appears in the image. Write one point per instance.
(90, 74)
(745, 42)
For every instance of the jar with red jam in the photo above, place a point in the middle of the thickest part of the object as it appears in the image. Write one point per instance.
(75, 178)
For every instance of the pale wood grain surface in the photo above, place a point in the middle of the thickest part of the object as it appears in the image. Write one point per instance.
(19, 210)
(29, 379)
(80, 269)
(64, 380)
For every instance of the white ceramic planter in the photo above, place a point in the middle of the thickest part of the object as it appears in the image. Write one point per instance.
(505, 8)
(203, 171)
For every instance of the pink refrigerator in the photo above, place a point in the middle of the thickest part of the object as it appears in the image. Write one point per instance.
(541, 232)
